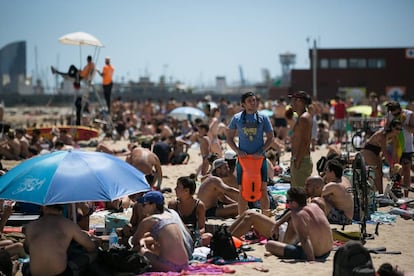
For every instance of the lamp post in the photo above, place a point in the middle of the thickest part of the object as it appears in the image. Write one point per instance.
(314, 68)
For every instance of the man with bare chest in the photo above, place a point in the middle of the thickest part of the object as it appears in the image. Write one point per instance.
(145, 161)
(301, 163)
(220, 199)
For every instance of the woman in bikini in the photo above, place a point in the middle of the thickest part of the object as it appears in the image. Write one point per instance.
(377, 144)
(191, 210)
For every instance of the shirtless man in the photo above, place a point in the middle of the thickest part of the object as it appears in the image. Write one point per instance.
(264, 225)
(204, 142)
(215, 146)
(145, 160)
(165, 131)
(301, 163)
(48, 239)
(337, 196)
(231, 158)
(220, 200)
(314, 186)
(308, 225)
(311, 227)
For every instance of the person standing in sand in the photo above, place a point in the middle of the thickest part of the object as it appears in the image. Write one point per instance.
(250, 125)
(280, 122)
(205, 149)
(301, 163)
(106, 74)
(148, 163)
(375, 150)
(48, 240)
(406, 118)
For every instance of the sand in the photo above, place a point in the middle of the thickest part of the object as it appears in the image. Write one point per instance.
(396, 237)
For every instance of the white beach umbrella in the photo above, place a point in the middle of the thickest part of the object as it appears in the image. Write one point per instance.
(80, 38)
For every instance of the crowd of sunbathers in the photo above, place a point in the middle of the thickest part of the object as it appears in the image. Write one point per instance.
(313, 203)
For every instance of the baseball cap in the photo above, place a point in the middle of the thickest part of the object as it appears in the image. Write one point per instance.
(301, 95)
(229, 155)
(218, 163)
(153, 197)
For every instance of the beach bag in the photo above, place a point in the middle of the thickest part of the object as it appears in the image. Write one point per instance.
(124, 260)
(353, 259)
(222, 244)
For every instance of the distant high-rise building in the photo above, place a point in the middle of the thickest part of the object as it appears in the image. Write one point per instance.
(12, 67)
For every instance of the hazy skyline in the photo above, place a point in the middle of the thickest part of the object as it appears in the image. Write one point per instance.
(195, 41)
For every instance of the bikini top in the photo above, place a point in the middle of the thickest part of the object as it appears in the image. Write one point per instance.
(192, 217)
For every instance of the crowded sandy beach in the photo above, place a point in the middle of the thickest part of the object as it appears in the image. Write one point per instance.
(147, 124)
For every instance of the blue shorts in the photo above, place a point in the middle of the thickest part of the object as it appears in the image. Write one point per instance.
(296, 252)
(239, 172)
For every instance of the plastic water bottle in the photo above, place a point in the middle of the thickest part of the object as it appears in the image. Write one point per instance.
(113, 239)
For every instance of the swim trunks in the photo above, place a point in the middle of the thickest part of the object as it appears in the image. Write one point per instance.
(336, 216)
(280, 122)
(296, 252)
(299, 175)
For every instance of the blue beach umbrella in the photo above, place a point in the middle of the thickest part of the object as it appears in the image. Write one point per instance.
(71, 176)
(187, 113)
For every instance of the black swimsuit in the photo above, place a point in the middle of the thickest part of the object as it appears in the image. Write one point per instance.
(191, 219)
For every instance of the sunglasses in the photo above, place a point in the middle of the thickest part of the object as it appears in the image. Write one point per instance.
(396, 114)
(145, 203)
(398, 128)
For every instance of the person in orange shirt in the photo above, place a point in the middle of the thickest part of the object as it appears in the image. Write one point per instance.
(85, 74)
(106, 75)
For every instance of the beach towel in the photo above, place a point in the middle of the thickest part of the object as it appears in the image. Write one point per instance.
(196, 269)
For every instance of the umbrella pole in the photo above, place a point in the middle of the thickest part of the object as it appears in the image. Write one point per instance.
(74, 212)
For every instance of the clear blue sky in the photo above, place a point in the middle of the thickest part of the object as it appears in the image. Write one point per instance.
(194, 41)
